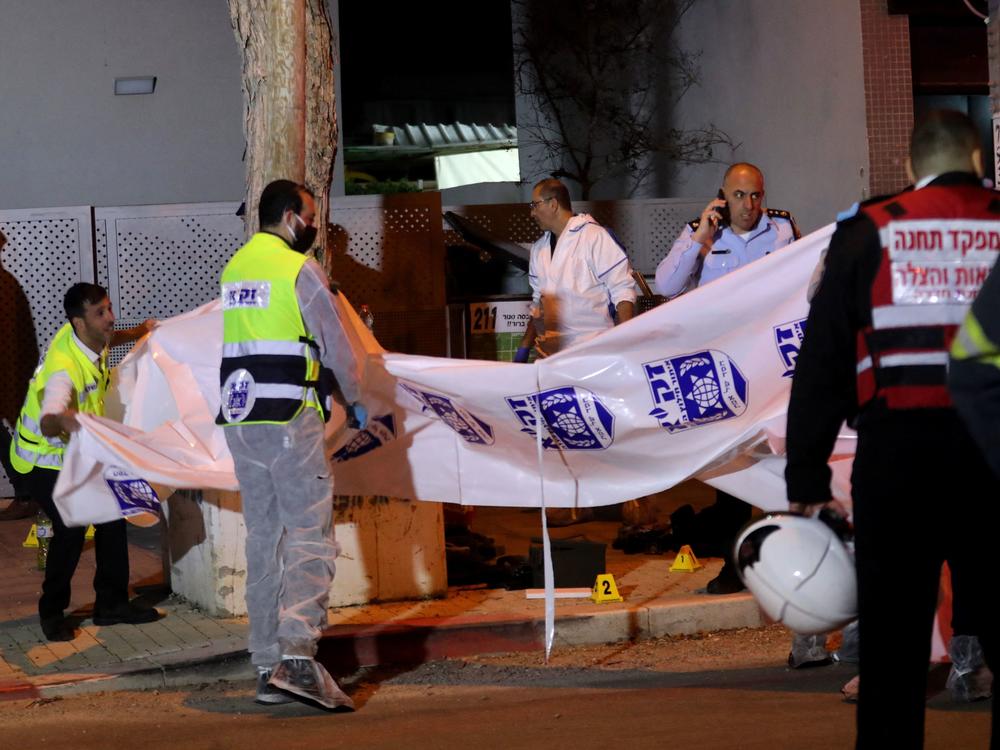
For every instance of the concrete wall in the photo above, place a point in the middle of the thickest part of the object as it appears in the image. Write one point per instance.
(65, 139)
(390, 549)
(784, 79)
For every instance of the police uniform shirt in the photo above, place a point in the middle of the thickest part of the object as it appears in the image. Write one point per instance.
(684, 269)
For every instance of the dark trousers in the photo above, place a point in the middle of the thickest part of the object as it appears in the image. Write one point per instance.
(733, 515)
(922, 495)
(111, 551)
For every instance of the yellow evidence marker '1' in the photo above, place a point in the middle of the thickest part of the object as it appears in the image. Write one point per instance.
(685, 561)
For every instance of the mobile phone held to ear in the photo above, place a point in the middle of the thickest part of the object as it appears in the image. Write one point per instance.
(723, 211)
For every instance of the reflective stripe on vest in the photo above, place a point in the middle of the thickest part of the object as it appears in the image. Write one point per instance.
(933, 262)
(270, 370)
(46, 460)
(29, 447)
(971, 342)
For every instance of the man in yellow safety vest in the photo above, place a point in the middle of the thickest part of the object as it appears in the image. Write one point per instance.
(73, 377)
(285, 355)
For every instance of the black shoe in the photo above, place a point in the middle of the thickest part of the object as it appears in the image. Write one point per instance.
(127, 614)
(308, 680)
(727, 582)
(57, 629)
(20, 507)
(267, 694)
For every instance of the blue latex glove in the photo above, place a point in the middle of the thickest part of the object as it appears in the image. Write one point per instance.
(357, 416)
(521, 355)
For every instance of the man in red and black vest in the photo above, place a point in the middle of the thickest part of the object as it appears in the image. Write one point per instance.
(900, 275)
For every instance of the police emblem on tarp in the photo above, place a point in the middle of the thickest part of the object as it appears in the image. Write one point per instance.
(379, 431)
(695, 389)
(469, 427)
(788, 339)
(134, 495)
(573, 418)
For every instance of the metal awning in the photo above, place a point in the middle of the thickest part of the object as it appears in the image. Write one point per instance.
(429, 140)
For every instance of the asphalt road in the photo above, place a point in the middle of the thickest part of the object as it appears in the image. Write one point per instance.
(719, 691)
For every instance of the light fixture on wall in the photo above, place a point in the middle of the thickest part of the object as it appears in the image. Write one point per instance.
(135, 85)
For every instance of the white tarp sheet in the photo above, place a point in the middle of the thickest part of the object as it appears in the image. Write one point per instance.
(697, 387)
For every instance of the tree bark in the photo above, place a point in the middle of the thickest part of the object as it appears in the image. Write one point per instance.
(288, 94)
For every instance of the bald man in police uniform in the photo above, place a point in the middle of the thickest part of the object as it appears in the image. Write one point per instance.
(734, 229)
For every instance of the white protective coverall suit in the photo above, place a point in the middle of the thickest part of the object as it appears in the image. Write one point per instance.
(287, 492)
(577, 283)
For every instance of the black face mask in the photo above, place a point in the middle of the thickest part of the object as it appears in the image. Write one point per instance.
(304, 240)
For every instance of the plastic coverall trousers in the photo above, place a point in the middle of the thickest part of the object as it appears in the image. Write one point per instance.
(287, 495)
(287, 490)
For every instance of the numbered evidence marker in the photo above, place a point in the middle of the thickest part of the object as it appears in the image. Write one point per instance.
(605, 590)
(32, 539)
(685, 561)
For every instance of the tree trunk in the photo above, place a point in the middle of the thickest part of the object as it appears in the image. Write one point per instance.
(288, 92)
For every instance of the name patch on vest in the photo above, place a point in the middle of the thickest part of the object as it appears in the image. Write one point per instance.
(237, 294)
(936, 262)
(573, 418)
(695, 389)
(239, 393)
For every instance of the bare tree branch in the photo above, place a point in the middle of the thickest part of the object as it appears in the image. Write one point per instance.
(599, 75)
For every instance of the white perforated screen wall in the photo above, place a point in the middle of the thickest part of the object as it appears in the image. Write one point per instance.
(43, 252)
(388, 251)
(164, 260)
(47, 251)
(646, 228)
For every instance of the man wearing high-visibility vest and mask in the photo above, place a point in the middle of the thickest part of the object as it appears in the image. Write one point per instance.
(285, 355)
(72, 378)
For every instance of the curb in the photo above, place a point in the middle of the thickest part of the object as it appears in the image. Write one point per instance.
(17, 690)
(415, 641)
(345, 648)
(228, 661)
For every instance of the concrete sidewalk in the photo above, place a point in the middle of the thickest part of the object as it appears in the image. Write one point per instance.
(188, 647)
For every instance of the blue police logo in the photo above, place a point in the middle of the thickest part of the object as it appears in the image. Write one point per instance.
(572, 418)
(695, 389)
(788, 339)
(134, 495)
(239, 394)
(246, 294)
(469, 427)
(379, 431)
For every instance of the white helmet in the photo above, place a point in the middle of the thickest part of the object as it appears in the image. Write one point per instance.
(799, 571)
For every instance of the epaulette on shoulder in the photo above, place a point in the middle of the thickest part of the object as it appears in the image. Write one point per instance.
(780, 213)
(850, 212)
